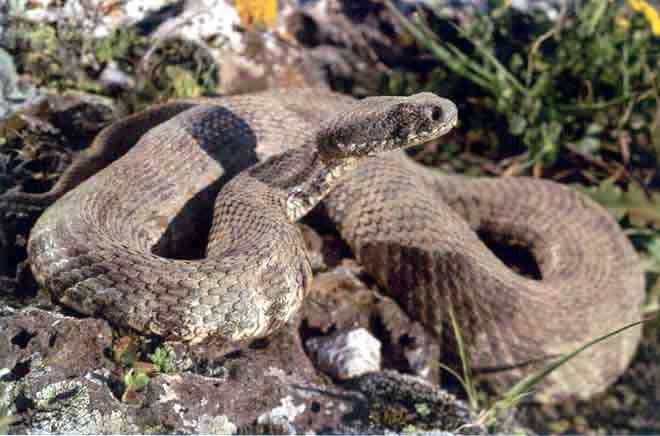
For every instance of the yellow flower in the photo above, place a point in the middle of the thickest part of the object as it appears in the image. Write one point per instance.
(651, 15)
(257, 12)
(622, 22)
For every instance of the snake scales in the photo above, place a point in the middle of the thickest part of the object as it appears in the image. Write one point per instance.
(101, 247)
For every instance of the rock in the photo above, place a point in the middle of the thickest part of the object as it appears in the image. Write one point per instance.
(86, 13)
(81, 115)
(399, 401)
(13, 95)
(340, 300)
(113, 77)
(187, 402)
(346, 354)
(267, 383)
(59, 378)
(205, 20)
(39, 141)
(80, 405)
(71, 347)
(280, 418)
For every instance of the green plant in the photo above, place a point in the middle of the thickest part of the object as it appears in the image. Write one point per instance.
(466, 380)
(184, 83)
(162, 359)
(409, 429)
(422, 409)
(581, 67)
(135, 380)
(116, 45)
(639, 211)
(637, 206)
(525, 386)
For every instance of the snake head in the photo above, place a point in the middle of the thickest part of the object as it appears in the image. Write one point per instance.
(378, 124)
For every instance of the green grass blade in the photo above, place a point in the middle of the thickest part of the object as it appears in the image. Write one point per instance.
(467, 375)
(490, 58)
(523, 388)
(591, 107)
(458, 63)
(456, 375)
(526, 384)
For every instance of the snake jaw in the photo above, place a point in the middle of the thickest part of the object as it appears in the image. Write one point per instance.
(425, 136)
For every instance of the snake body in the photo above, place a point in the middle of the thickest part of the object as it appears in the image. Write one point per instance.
(101, 247)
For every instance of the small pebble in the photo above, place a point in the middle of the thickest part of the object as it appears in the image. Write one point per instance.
(112, 75)
(346, 354)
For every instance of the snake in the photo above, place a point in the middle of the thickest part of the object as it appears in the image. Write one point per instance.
(238, 172)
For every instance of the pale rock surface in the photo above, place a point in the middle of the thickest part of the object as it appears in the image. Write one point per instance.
(346, 354)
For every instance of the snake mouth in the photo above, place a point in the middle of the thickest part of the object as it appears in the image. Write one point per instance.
(412, 139)
(429, 135)
(421, 137)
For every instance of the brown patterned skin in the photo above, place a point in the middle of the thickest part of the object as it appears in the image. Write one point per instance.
(415, 231)
(94, 247)
(412, 229)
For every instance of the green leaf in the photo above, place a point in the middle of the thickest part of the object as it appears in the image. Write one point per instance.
(422, 409)
(115, 45)
(594, 129)
(588, 145)
(516, 63)
(609, 195)
(162, 359)
(409, 429)
(640, 209)
(652, 254)
(135, 380)
(517, 124)
(184, 82)
(465, 361)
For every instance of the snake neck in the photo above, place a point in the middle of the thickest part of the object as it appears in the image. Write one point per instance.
(302, 177)
(303, 197)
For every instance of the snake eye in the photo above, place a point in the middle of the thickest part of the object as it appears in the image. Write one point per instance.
(436, 114)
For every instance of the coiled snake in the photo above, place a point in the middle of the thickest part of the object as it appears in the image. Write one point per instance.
(101, 247)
